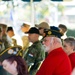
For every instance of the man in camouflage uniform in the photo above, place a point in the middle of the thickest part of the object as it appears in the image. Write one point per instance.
(43, 26)
(4, 36)
(34, 54)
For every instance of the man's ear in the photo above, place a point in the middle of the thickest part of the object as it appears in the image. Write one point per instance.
(15, 63)
(72, 47)
(55, 41)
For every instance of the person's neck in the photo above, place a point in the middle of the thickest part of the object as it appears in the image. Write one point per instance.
(70, 52)
(35, 40)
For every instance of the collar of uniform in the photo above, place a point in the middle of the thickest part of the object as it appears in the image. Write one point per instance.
(57, 50)
(36, 42)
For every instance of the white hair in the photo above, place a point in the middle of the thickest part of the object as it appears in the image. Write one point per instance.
(57, 39)
(50, 47)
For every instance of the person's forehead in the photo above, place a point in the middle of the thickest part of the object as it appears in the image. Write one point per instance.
(4, 62)
(32, 34)
(65, 43)
(48, 37)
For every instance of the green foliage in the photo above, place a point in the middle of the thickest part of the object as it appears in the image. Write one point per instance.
(71, 32)
(61, 7)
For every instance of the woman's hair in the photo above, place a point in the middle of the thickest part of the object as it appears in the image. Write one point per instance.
(21, 64)
(70, 40)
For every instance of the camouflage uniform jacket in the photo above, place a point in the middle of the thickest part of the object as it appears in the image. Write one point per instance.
(34, 56)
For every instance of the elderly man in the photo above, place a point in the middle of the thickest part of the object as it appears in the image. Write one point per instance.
(35, 53)
(57, 61)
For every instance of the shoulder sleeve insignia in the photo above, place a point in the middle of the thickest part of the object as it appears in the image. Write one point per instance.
(31, 55)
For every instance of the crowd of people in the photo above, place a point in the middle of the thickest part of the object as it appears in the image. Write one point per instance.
(49, 54)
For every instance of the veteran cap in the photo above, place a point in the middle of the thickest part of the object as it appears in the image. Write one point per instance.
(53, 31)
(12, 51)
(33, 30)
(43, 25)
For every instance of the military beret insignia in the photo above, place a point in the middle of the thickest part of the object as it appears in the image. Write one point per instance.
(49, 32)
(53, 31)
(10, 51)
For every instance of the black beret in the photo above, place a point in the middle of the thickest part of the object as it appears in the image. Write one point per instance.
(12, 51)
(53, 31)
(33, 30)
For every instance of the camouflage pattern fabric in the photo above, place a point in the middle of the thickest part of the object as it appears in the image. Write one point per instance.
(33, 56)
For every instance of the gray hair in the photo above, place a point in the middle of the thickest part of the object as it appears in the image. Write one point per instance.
(58, 40)
(71, 41)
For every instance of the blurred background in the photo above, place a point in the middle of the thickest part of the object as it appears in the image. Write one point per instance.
(16, 12)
